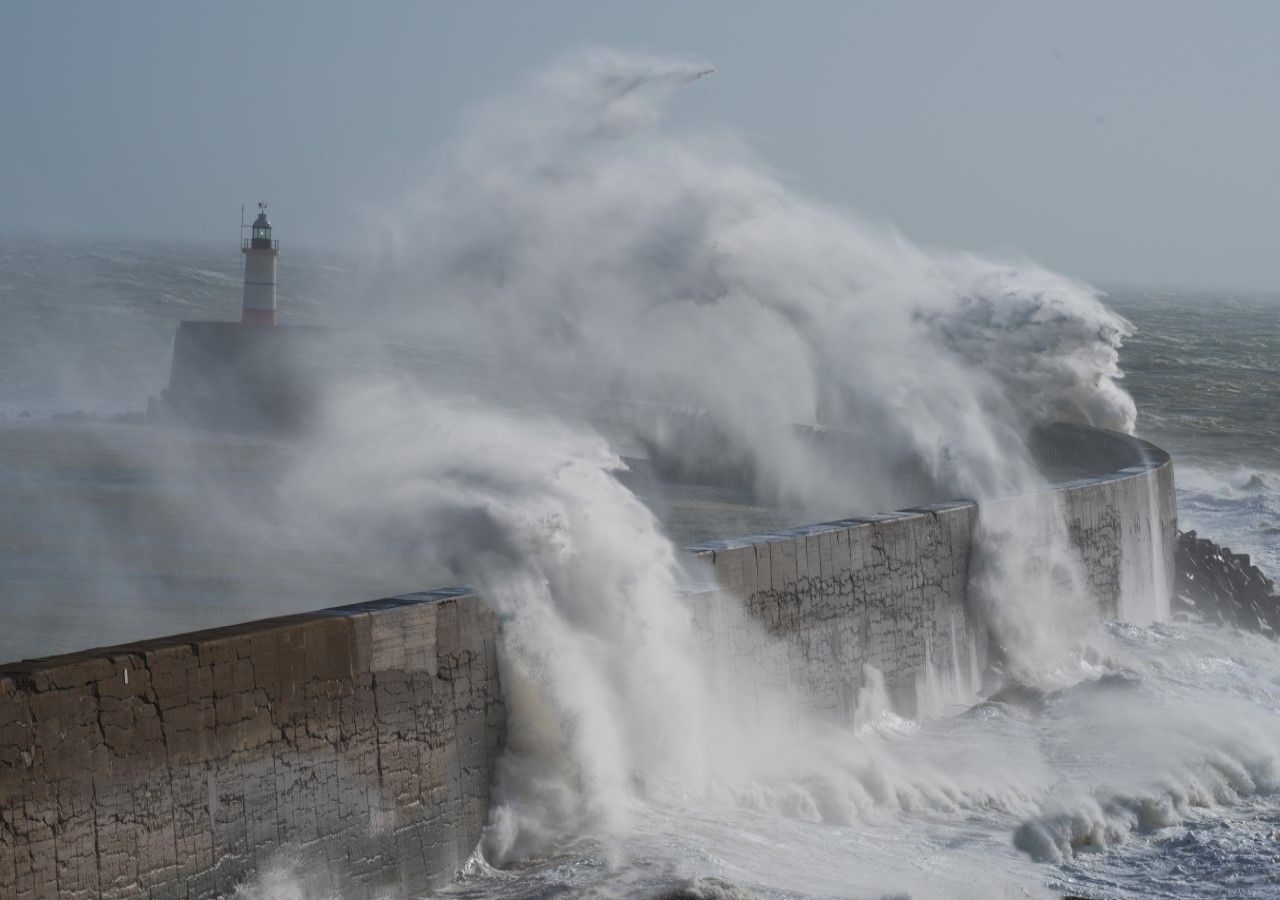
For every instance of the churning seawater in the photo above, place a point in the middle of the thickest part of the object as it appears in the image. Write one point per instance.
(1152, 770)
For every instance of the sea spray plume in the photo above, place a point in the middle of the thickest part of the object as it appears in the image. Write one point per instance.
(682, 273)
(286, 876)
(617, 704)
(612, 695)
(595, 652)
(567, 218)
(1059, 344)
(1030, 588)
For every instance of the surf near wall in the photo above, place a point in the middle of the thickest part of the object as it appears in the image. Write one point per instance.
(366, 737)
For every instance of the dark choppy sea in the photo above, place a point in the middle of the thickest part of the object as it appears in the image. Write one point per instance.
(1204, 367)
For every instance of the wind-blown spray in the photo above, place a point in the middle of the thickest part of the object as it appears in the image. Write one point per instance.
(567, 219)
(681, 274)
(596, 648)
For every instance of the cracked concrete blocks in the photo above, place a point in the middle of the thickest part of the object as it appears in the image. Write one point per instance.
(365, 736)
(891, 590)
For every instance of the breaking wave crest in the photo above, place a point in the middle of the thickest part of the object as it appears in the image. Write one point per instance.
(568, 217)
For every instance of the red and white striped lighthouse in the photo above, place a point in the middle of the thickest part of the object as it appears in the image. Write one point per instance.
(260, 253)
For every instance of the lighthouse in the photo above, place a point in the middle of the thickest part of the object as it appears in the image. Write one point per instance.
(253, 375)
(260, 253)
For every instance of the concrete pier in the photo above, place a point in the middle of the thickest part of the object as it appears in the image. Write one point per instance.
(365, 736)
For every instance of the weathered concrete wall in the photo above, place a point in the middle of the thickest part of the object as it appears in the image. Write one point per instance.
(227, 375)
(1123, 521)
(890, 590)
(886, 591)
(367, 735)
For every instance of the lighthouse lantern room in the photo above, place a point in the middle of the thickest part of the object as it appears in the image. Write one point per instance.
(260, 253)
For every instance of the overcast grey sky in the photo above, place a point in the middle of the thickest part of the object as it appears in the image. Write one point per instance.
(1116, 141)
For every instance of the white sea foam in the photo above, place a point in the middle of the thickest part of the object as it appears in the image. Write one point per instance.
(1161, 738)
(1237, 506)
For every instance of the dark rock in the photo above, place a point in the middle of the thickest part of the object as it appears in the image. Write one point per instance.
(1215, 585)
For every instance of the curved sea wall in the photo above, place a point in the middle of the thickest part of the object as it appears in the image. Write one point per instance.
(364, 738)
(891, 590)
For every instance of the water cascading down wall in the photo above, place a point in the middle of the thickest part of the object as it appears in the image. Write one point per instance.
(364, 737)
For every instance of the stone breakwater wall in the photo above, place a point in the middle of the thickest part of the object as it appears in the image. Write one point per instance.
(363, 739)
(890, 591)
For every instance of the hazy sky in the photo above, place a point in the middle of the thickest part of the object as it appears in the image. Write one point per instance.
(1114, 141)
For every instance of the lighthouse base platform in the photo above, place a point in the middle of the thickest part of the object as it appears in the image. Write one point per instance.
(243, 377)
